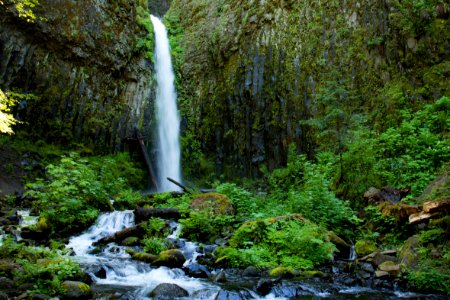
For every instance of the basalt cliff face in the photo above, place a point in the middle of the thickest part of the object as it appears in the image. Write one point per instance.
(251, 72)
(82, 61)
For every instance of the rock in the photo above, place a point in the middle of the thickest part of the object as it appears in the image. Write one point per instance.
(251, 272)
(220, 277)
(76, 290)
(264, 286)
(343, 247)
(101, 273)
(379, 274)
(389, 194)
(7, 267)
(389, 266)
(377, 258)
(130, 241)
(172, 258)
(409, 256)
(141, 256)
(219, 204)
(40, 297)
(3, 296)
(6, 284)
(400, 211)
(363, 247)
(227, 295)
(282, 272)
(197, 271)
(367, 267)
(168, 291)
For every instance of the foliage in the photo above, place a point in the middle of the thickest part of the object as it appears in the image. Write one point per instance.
(284, 241)
(205, 226)
(75, 191)
(45, 269)
(154, 245)
(6, 119)
(243, 201)
(143, 20)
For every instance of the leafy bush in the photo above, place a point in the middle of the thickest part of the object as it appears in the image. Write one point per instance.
(45, 269)
(203, 226)
(76, 191)
(284, 241)
(154, 245)
(243, 201)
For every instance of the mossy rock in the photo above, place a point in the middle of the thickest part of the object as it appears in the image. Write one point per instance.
(141, 256)
(282, 272)
(130, 241)
(76, 290)
(313, 273)
(364, 247)
(219, 204)
(409, 256)
(172, 258)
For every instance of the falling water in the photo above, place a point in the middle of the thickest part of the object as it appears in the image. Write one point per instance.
(168, 160)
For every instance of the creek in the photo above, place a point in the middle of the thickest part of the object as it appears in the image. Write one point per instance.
(115, 274)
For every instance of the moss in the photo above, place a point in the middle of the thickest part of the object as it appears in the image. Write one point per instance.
(364, 247)
(283, 272)
(85, 288)
(219, 204)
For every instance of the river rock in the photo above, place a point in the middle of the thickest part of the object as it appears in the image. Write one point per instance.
(264, 286)
(390, 267)
(172, 258)
(197, 271)
(168, 291)
(251, 272)
(220, 277)
(76, 290)
(6, 284)
(408, 253)
(227, 295)
(363, 247)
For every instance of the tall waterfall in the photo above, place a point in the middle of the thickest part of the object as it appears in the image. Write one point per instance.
(168, 156)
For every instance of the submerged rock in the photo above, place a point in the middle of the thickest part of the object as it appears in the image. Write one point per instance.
(168, 291)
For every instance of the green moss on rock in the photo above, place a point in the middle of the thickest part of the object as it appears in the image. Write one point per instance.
(364, 247)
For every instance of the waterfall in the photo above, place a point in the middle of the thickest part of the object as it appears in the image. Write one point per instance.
(168, 120)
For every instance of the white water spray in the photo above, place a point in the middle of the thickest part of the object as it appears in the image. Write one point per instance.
(168, 158)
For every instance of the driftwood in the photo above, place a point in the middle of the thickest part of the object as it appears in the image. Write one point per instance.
(143, 214)
(183, 187)
(120, 235)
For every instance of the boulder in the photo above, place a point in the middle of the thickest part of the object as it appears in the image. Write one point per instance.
(6, 284)
(377, 258)
(142, 256)
(130, 241)
(344, 249)
(385, 194)
(219, 204)
(264, 286)
(282, 272)
(409, 257)
(390, 267)
(172, 258)
(197, 271)
(251, 272)
(220, 277)
(168, 291)
(76, 290)
(364, 247)
(227, 295)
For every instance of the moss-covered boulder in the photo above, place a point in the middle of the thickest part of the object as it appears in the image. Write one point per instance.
(282, 272)
(141, 256)
(409, 256)
(130, 241)
(172, 258)
(364, 247)
(76, 290)
(390, 267)
(219, 204)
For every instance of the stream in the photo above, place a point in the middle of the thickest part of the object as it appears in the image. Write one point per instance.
(117, 276)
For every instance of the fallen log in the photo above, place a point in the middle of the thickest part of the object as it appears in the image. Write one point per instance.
(120, 235)
(143, 214)
(183, 187)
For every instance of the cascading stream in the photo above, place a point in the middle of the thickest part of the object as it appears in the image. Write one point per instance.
(168, 120)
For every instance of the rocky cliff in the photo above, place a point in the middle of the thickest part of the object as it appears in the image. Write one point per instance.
(254, 74)
(84, 62)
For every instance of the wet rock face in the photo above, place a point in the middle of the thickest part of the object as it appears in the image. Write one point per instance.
(80, 58)
(159, 7)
